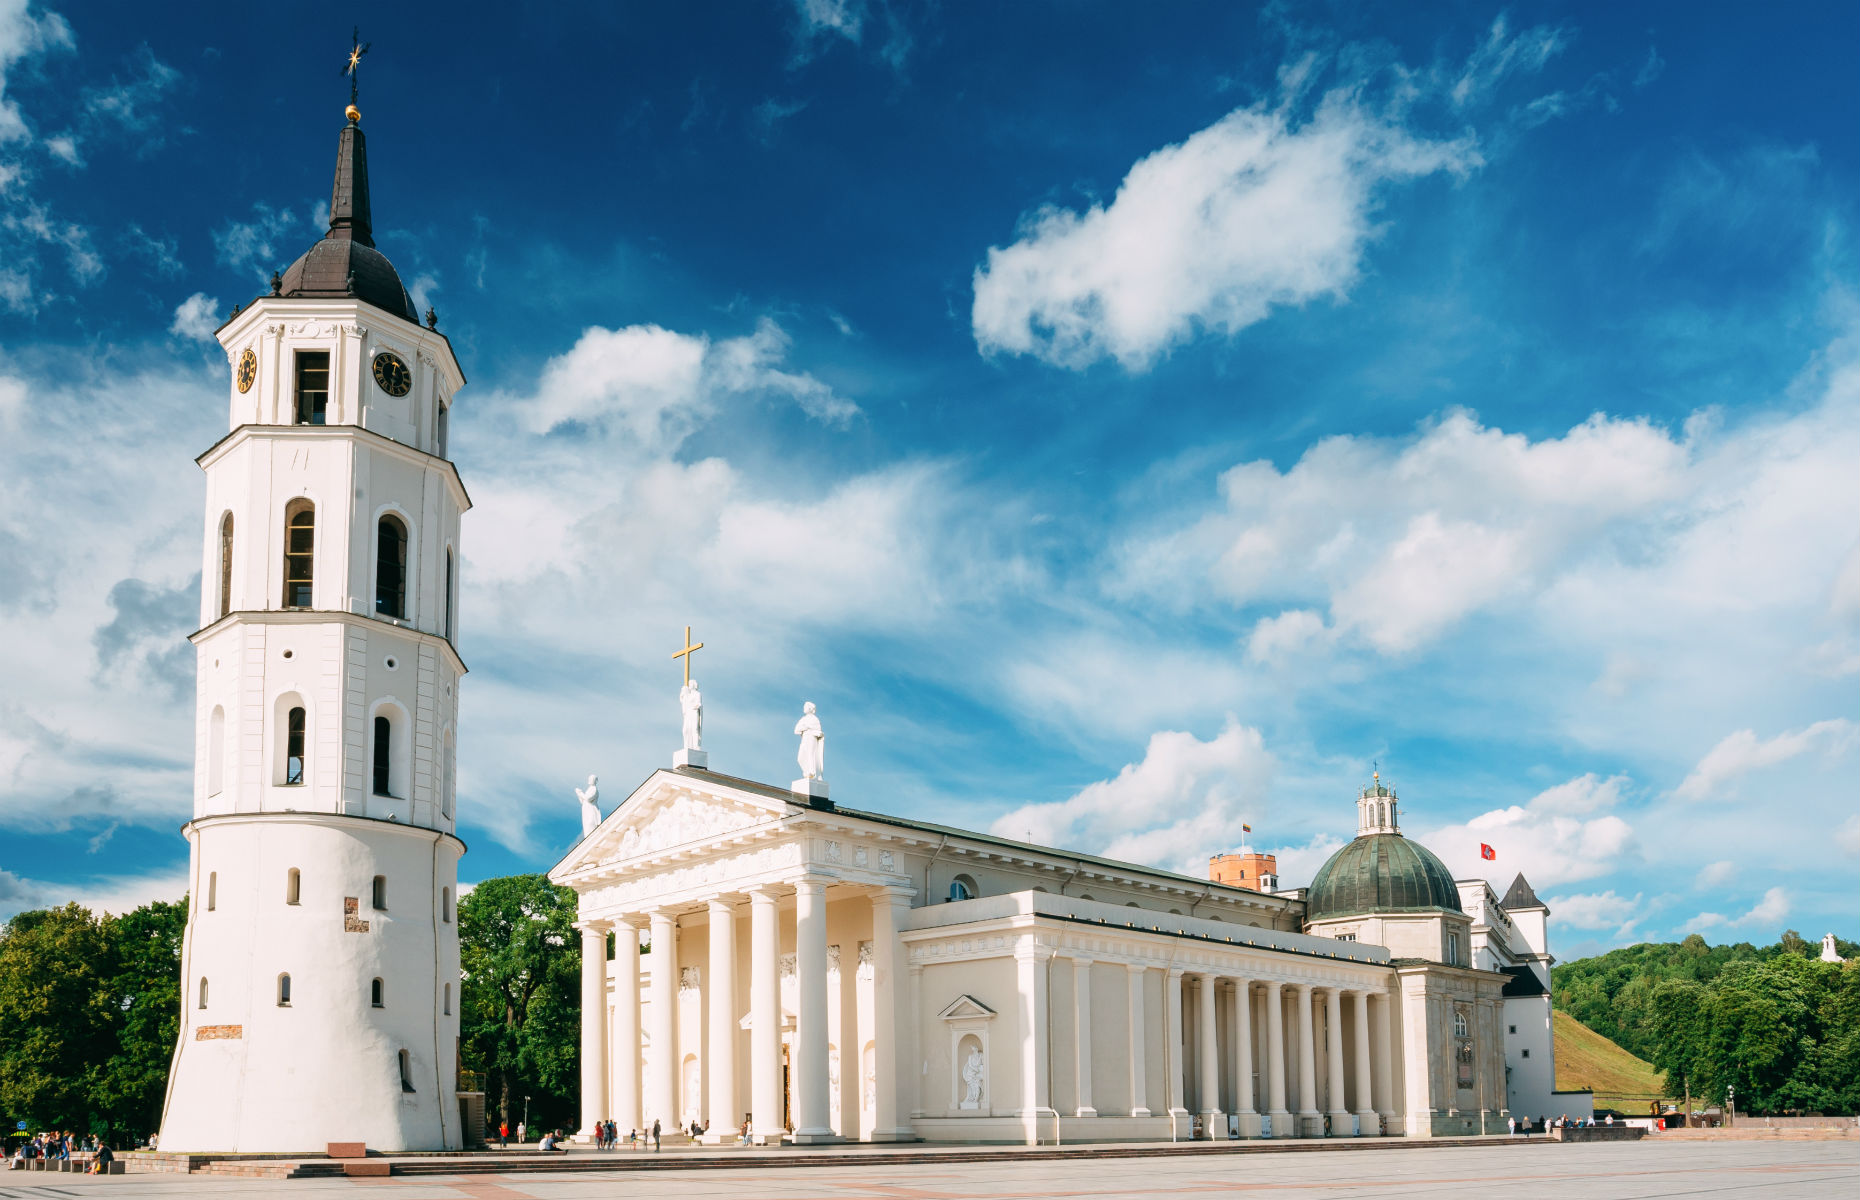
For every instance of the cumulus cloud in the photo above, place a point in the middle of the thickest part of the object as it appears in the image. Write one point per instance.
(1186, 799)
(1743, 752)
(1596, 910)
(196, 317)
(1717, 874)
(1258, 211)
(1769, 911)
(1564, 834)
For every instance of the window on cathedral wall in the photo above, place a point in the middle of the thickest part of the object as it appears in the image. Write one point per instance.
(203, 991)
(299, 553)
(377, 994)
(226, 549)
(311, 386)
(447, 627)
(389, 755)
(293, 886)
(446, 1010)
(439, 430)
(391, 568)
(406, 1071)
(284, 991)
(445, 905)
(294, 722)
(213, 890)
(962, 887)
(380, 892)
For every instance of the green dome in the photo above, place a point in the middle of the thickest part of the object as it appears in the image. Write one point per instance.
(1381, 872)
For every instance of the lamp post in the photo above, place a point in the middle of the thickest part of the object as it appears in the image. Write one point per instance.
(526, 1112)
(1730, 1105)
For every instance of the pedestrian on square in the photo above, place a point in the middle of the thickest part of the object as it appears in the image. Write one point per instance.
(656, 1144)
(1513, 1123)
(503, 1135)
(523, 1132)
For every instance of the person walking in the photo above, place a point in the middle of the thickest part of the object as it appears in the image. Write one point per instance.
(1513, 1123)
(503, 1134)
(655, 1134)
(523, 1133)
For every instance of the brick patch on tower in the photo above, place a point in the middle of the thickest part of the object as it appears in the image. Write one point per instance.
(211, 1033)
(350, 922)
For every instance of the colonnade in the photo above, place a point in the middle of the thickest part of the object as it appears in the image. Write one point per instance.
(656, 1096)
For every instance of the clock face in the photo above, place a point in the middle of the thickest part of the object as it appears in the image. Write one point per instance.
(392, 374)
(248, 370)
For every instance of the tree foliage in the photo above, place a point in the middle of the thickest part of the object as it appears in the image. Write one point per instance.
(520, 1008)
(1774, 1022)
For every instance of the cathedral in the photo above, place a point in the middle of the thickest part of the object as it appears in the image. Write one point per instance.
(760, 962)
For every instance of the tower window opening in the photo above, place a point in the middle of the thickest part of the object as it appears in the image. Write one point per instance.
(384, 758)
(294, 747)
(377, 994)
(312, 381)
(439, 429)
(391, 568)
(299, 554)
(284, 990)
(293, 886)
(448, 596)
(445, 905)
(406, 1071)
(203, 991)
(380, 892)
(226, 548)
(447, 1010)
(213, 890)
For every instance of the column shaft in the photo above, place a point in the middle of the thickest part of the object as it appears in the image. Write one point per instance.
(1081, 1028)
(1365, 1105)
(1333, 1055)
(662, 1086)
(765, 1083)
(1243, 1058)
(890, 1027)
(1274, 1000)
(1310, 1120)
(1212, 1118)
(1139, 1093)
(813, 1115)
(1173, 1035)
(623, 1105)
(720, 997)
(1035, 1073)
(1385, 1060)
(593, 1028)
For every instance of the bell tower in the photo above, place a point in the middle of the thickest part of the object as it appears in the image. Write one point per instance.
(321, 963)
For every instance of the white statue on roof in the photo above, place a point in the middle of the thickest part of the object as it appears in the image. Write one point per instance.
(813, 752)
(692, 704)
(590, 809)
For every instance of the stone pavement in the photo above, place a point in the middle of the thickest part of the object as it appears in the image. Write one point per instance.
(1725, 1171)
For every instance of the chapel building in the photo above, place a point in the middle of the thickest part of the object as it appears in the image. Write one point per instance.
(816, 972)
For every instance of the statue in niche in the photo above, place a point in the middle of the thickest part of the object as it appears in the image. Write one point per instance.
(813, 753)
(692, 704)
(972, 1075)
(590, 809)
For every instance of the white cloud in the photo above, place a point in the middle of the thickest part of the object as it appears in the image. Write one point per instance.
(116, 894)
(819, 23)
(1848, 836)
(1564, 834)
(1596, 910)
(23, 34)
(1257, 211)
(1768, 911)
(1717, 874)
(196, 317)
(1185, 800)
(1742, 752)
(259, 243)
(1502, 55)
(1277, 638)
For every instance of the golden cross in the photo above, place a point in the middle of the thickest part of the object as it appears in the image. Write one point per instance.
(687, 652)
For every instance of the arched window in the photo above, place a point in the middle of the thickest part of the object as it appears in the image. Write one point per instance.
(312, 386)
(391, 568)
(962, 888)
(203, 991)
(445, 905)
(448, 596)
(294, 746)
(213, 890)
(293, 886)
(1459, 1024)
(284, 990)
(380, 892)
(377, 994)
(384, 756)
(448, 777)
(216, 751)
(447, 1010)
(299, 553)
(439, 430)
(406, 1071)
(226, 544)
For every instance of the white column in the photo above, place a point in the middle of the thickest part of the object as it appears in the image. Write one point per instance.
(593, 1027)
(624, 1049)
(1365, 1105)
(765, 1095)
(891, 1041)
(662, 1086)
(812, 1112)
(1243, 1058)
(1173, 1035)
(1333, 1056)
(1274, 1001)
(1310, 1120)
(720, 995)
(1384, 1091)
(1081, 1027)
(1212, 1118)
(1030, 963)
(1139, 1098)
(911, 1061)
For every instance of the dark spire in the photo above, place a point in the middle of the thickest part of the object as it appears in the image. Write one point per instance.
(1520, 895)
(348, 200)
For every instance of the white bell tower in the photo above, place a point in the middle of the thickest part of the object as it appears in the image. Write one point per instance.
(320, 982)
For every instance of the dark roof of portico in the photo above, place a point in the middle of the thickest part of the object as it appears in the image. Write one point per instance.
(1522, 981)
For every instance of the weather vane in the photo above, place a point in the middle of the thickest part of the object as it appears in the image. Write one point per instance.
(353, 67)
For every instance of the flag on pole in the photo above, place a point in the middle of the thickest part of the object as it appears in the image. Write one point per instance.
(1486, 852)
(1246, 829)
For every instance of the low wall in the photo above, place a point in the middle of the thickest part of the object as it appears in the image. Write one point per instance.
(1597, 1133)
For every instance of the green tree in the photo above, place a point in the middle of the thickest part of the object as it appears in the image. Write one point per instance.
(520, 1008)
(58, 1016)
(146, 987)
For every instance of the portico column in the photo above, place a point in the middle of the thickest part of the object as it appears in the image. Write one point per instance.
(1310, 1120)
(1212, 1118)
(721, 997)
(765, 1090)
(1031, 961)
(1333, 1031)
(813, 1115)
(662, 1085)
(1173, 1036)
(623, 1054)
(1243, 1058)
(1274, 1000)
(1082, 1034)
(890, 1052)
(1139, 1098)
(593, 1027)
(1365, 1107)
(1385, 1061)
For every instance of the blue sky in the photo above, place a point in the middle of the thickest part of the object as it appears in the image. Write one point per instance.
(1123, 422)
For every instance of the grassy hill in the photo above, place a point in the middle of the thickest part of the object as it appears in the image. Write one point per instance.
(1584, 1058)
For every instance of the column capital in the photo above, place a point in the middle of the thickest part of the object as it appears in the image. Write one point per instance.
(1177, 972)
(811, 879)
(770, 892)
(1136, 968)
(587, 927)
(1080, 958)
(726, 902)
(892, 891)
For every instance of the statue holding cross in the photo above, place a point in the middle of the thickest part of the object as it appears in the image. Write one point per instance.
(690, 701)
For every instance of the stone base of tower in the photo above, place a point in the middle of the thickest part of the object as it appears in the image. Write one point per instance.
(319, 988)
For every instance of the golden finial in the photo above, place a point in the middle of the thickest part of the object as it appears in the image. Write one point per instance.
(353, 113)
(353, 69)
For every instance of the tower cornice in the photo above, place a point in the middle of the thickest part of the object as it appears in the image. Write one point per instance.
(323, 616)
(377, 441)
(313, 817)
(267, 310)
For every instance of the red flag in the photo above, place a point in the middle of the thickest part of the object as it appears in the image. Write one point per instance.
(1486, 852)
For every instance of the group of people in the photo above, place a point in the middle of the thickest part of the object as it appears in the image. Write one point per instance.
(1562, 1122)
(63, 1147)
(606, 1136)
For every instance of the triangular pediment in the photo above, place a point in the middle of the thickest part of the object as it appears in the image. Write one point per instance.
(966, 1008)
(668, 812)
